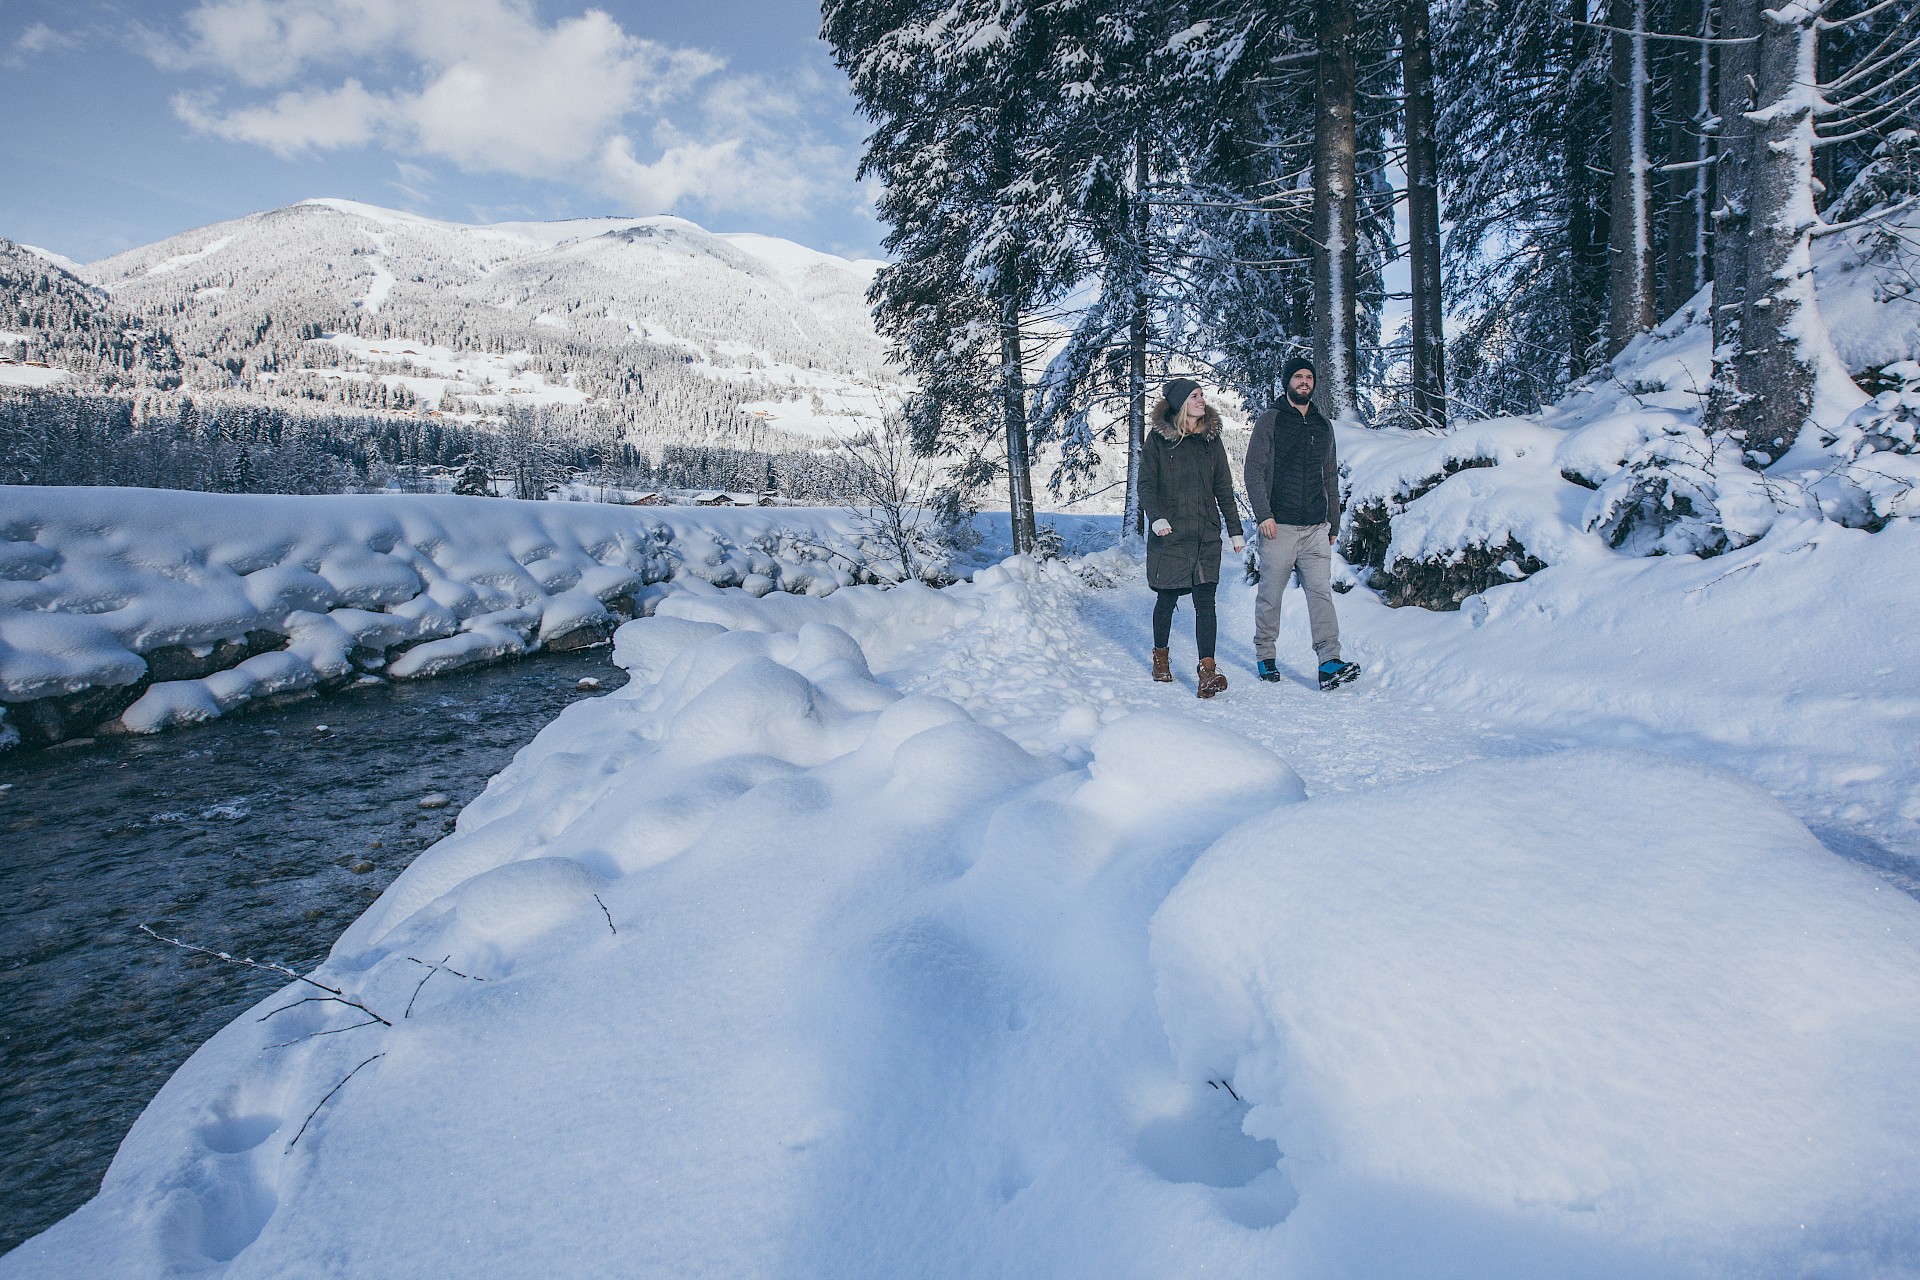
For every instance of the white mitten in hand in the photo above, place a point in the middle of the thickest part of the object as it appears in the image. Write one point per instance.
(1162, 528)
(1239, 543)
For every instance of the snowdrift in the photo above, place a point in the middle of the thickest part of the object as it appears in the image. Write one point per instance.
(758, 967)
(149, 608)
(1592, 1014)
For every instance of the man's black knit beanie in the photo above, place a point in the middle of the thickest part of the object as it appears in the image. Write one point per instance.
(1294, 366)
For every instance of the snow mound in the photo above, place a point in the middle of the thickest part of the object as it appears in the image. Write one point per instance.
(155, 606)
(1592, 1006)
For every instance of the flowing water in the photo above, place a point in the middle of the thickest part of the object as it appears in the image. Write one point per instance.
(264, 835)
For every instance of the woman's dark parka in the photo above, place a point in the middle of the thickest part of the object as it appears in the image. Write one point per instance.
(1186, 481)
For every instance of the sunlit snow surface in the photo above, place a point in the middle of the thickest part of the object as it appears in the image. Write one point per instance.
(918, 933)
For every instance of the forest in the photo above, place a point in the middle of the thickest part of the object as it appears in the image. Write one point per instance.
(1221, 185)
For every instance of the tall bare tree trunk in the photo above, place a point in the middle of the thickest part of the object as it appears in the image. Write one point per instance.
(1688, 69)
(1013, 388)
(1587, 220)
(1630, 249)
(1134, 520)
(1733, 177)
(1782, 340)
(1429, 372)
(1335, 260)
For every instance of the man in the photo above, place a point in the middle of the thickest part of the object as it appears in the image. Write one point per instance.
(1293, 491)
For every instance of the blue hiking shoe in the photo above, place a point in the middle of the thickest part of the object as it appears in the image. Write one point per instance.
(1335, 673)
(1267, 671)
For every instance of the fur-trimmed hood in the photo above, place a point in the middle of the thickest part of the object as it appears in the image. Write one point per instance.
(1162, 421)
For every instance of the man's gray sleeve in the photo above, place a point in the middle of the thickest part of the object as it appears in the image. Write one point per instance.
(1258, 474)
(1332, 477)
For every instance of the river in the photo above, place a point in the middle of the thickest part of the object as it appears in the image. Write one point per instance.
(263, 835)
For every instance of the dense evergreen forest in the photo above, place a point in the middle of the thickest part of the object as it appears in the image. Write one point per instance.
(233, 444)
(1214, 185)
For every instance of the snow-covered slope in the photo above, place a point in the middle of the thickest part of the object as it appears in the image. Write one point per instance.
(54, 329)
(652, 324)
(1621, 466)
(918, 933)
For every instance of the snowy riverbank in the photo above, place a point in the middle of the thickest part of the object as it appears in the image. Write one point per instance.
(137, 609)
(913, 932)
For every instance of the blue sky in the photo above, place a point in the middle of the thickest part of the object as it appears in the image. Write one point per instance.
(122, 123)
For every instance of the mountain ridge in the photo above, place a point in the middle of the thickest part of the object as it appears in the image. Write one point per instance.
(651, 331)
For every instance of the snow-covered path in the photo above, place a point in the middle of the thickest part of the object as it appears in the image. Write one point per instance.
(919, 933)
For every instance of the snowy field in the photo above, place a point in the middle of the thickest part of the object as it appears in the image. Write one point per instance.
(914, 933)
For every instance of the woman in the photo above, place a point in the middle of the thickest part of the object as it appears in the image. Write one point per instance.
(1186, 490)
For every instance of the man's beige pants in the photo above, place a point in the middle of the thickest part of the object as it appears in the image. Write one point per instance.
(1303, 547)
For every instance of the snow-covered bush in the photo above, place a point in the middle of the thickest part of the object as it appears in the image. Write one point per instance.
(1875, 476)
(1893, 174)
(1683, 493)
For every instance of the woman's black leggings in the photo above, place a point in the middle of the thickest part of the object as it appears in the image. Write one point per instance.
(1206, 625)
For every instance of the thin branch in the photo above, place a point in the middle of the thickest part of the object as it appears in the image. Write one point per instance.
(1657, 35)
(1829, 24)
(329, 1031)
(323, 1102)
(266, 966)
(1834, 228)
(608, 914)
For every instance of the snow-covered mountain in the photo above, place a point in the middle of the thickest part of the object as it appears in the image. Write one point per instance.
(55, 329)
(651, 326)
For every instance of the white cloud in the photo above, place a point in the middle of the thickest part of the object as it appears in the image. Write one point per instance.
(490, 87)
(498, 91)
(756, 149)
(293, 122)
(40, 38)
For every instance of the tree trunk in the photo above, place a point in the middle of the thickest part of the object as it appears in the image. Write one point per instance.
(1587, 222)
(1782, 339)
(1630, 248)
(1336, 354)
(1133, 522)
(1824, 158)
(1688, 68)
(1733, 176)
(1013, 389)
(1429, 375)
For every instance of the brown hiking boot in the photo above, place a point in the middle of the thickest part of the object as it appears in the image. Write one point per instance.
(1162, 667)
(1211, 681)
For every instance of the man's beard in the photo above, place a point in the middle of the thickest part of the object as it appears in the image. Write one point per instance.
(1297, 398)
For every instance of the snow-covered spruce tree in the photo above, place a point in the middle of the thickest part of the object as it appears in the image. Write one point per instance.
(1241, 251)
(959, 102)
(1523, 148)
(474, 481)
(1165, 144)
(1116, 74)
